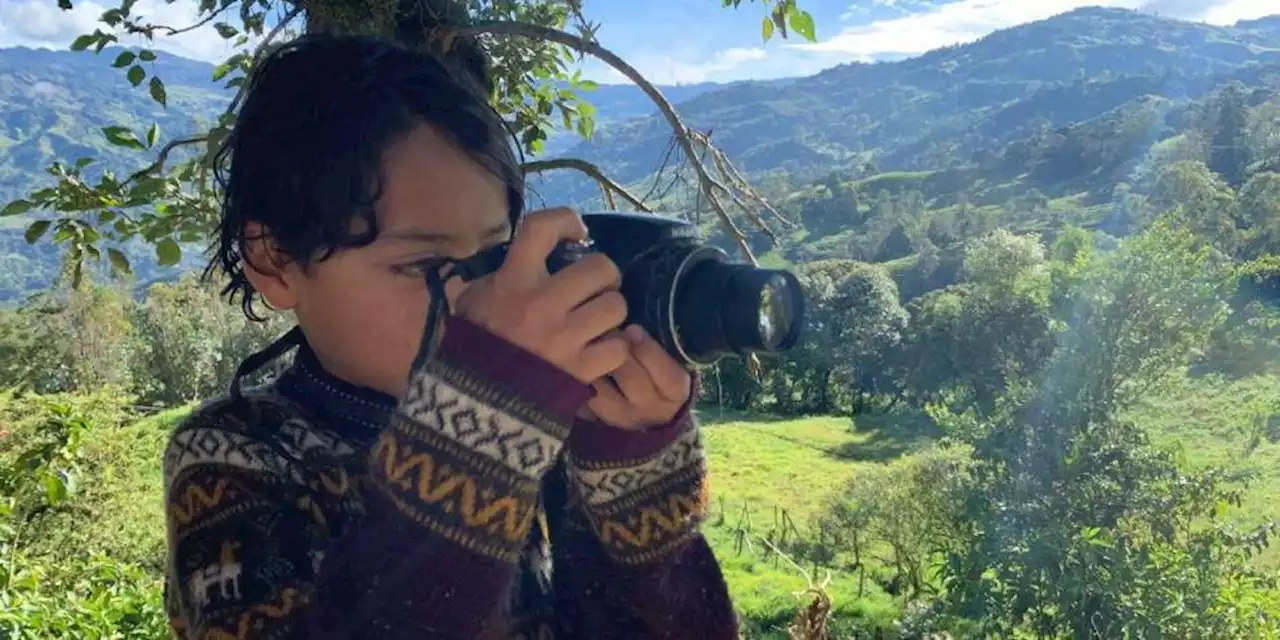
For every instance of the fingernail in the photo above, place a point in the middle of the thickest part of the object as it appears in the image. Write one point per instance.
(635, 333)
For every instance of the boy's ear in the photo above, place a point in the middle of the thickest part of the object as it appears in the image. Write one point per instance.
(268, 269)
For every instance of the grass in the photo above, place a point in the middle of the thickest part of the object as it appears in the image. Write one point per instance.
(1206, 419)
(762, 471)
(765, 472)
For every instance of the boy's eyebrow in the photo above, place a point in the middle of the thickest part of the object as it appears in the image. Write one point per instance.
(428, 236)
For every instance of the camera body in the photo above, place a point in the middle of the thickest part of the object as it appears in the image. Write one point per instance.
(690, 296)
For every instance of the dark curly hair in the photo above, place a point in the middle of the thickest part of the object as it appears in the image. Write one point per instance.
(304, 157)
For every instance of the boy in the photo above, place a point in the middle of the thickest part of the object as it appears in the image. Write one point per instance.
(540, 476)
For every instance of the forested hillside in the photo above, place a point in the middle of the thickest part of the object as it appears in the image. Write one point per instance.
(1012, 112)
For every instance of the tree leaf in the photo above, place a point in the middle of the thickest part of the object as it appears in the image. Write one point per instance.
(225, 30)
(83, 42)
(802, 23)
(16, 208)
(766, 29)
(119, 261)
(122, 137)
(158, 92)
(588, 85)
(136, 75)
(168, 252)
(124, 59)
(36, 230)
(153, 134)
(221, 72)
(147, 55)
(65, 5)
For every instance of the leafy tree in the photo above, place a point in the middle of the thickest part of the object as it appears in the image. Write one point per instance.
(1228, 149)
(1201, 199)
(853, 318)
(1076, 524)
(191, 341)
(532, 44)
(1002, 258)
(1259, 207)
(1263, 135)
(972, 341)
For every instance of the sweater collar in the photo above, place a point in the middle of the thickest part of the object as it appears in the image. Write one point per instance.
(351, 410)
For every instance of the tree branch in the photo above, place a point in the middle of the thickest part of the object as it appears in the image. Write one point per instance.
(170, 31)
(684, 135)
(577, 164)
(163, 156)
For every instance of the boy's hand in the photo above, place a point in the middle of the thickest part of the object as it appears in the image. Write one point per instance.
(646, 391)
(569, 319)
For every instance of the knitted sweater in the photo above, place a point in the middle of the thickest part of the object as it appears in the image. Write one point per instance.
(473, 508)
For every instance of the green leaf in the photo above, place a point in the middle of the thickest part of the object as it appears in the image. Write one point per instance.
(16, 208)
(147, 55)
(119, 261)
(221, 72)
(225, 30)
(802, 23)
(54, 490)
(168, 252)
(65, 5)
(122, 137)
(158, 93)
(766, 29)
(136, 75)
(124, 59)
(153, 134)
(588, 85)
(83, 42)
(36, 230)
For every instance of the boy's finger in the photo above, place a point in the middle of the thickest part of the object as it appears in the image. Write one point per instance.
(670, 379)
(537, 236)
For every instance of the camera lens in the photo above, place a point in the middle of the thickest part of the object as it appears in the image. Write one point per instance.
(723, 308)
(775, 312)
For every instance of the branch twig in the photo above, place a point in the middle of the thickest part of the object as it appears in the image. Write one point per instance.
(592, 171)
(163, 156)
(683, 134)
(170, 31)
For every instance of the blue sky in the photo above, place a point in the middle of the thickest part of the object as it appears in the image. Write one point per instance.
(685, 41)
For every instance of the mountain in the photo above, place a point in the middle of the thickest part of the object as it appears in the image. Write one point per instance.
(947, 105)
(54, 104)
(1064, 106)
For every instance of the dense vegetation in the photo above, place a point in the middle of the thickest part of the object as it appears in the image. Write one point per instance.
(1038, 397)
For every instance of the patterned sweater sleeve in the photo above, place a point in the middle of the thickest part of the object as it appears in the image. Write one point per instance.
(450, 499)
(630, 560)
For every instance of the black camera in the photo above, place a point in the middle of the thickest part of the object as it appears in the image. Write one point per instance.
(690, 296)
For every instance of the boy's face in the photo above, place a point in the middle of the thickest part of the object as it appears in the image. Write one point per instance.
(364, 310)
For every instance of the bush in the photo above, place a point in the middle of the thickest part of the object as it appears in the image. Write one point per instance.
(52, 583)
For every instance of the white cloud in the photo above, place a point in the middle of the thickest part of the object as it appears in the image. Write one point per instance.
(41, 24)
(1232, 11)
(955, 23)
(965, 21)
(672, 70)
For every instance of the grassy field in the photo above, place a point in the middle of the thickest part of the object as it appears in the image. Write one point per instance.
(762, 472)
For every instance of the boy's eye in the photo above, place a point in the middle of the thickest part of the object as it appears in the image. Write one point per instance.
(416, 269)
